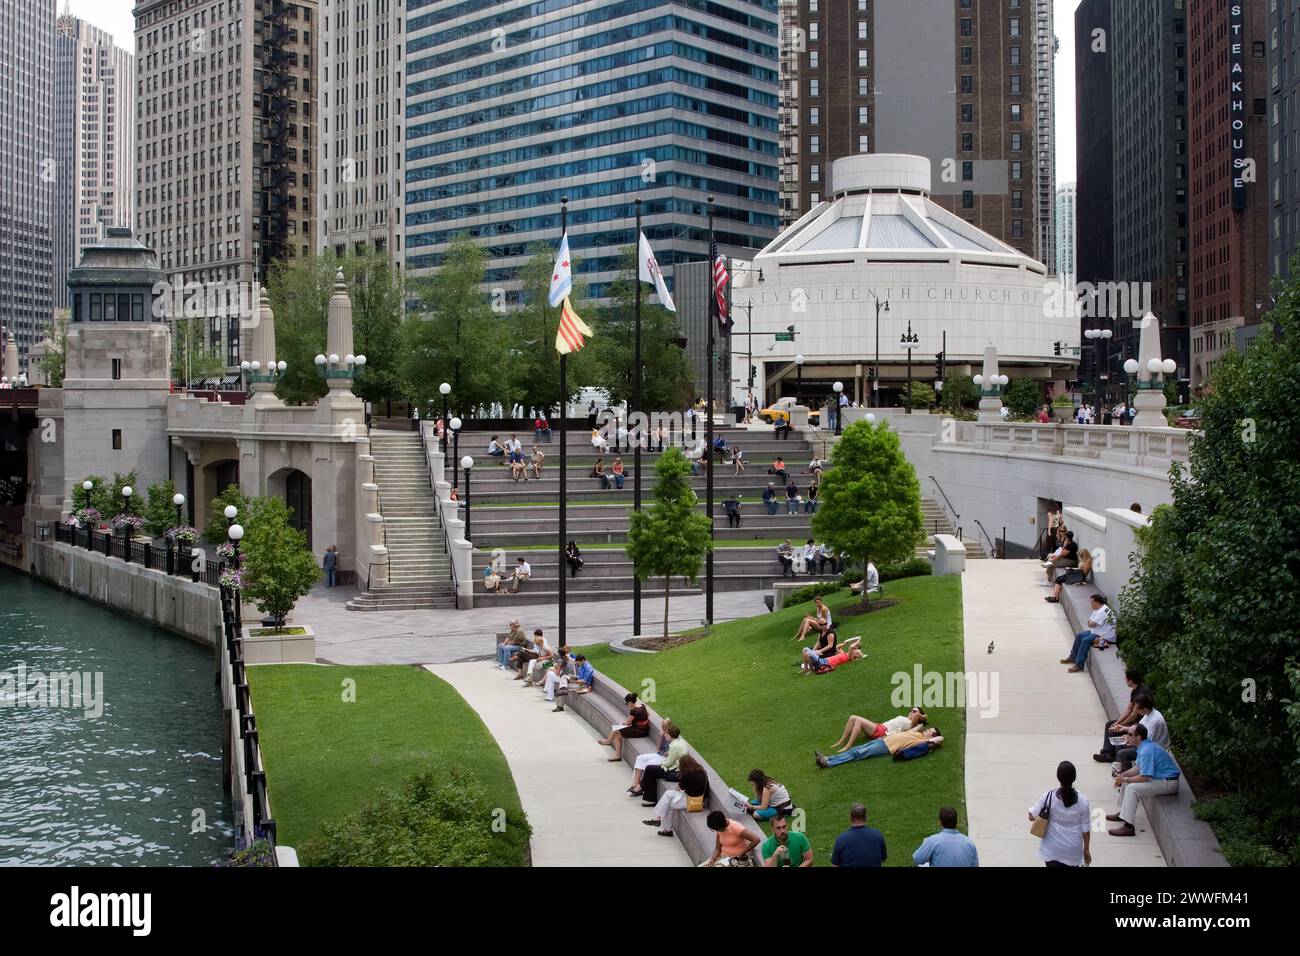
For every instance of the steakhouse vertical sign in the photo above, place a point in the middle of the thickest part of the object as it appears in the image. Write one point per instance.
(1237, 110)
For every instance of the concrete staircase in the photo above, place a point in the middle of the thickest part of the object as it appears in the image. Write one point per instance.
(937, 522)
(419, 571)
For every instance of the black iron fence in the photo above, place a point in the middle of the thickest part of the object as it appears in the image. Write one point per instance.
(170, 557)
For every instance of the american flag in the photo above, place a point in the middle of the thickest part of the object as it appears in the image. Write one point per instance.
(720, 279)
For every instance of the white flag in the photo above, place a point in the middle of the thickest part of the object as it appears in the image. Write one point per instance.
(561, 275)
(650, 273)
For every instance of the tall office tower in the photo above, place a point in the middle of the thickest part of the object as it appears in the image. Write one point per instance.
(27, 170)
(1138, 121)
(359, 181)
(1045, 48)
(94, 142)
(954, 82)
(1283, 147)
(1227, 127)
(225, 136)
(1067, 232)
(793, 44)
(511, 106)
(1094, 254)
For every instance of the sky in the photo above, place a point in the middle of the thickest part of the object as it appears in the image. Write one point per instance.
(115, 17)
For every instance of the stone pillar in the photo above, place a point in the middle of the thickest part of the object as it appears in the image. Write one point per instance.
(339, 339)
(262, 349)
(11, 358)
(990, 391)
(1150, 398)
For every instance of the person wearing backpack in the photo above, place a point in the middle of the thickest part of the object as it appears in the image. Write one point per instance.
(1062, 822)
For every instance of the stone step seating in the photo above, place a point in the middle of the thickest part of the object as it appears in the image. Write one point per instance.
(510, 532)
(582, 489)
(419, 571)
(604, 707)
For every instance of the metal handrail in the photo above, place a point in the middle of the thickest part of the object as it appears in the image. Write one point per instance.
(955, 516)
(992, 549)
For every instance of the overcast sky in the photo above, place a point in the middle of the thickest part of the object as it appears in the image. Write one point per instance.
(115, 16)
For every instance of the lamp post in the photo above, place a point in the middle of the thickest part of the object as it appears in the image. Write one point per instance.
(1101, 337)
(236, 533)
(455, 436)
(467, 463)
(179, 501)
(127, 492)
(798, 388)
(875, 377)
(87, 486)
(444, 390)
(838, 388)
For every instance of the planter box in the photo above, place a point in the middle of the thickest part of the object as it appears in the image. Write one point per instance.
(280, 648)
(1063, 413)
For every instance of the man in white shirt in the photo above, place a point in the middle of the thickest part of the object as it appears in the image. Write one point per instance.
(495, 449)
(1153, 721)
(824, 555)
(523, 571)
(1101, 628)
(810, 557)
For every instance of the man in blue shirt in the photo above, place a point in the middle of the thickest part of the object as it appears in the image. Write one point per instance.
(948, 847)
(1154, 774)
(860, 845)
(584, 675)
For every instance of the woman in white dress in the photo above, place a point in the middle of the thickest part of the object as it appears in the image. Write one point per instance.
(1069, 825)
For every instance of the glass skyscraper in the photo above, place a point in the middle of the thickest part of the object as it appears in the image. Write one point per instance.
(511, 105)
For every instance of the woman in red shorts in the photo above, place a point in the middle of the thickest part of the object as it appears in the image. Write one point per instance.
(861, 727)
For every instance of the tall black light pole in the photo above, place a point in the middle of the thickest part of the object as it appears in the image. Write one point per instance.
(1100, 336)
(178, 500)
(636, 407)
(455, 425)
(564, 460)
(467, 463)
(875, 378)
(798, 388)
(838, 388)
(445, 389)
(708, 425)
(910, 339)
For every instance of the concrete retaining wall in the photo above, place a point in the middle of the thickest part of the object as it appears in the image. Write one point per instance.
(174, 604)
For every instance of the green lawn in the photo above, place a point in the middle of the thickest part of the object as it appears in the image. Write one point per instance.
(741, 702)
(325, 757)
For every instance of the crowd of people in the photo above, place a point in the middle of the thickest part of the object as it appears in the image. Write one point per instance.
(811, 558)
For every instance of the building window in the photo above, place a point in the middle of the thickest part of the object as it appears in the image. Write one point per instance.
(967, 199)
(1017, 228)
(967, 27)
(1257, 49)
(967, 113)
(815, 198)
(814, 60)
(117, 370)
(1015, 83)
(862, 29)
(117, 439)
(863, 116)
(864, 143)
(814, 116)
(863, 88)
(1015, 113)
(967, 171)
(1015, 26)
(967, 56)
(862, 59)
(1015, 56)
(967, 83)
(1015, 142)
(814, 144)
(967, 142)
(1016, 171)
(814, 30)
(815, 173)
(1017, 199)
(814, 87)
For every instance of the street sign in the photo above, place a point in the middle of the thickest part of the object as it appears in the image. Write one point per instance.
(785, 336)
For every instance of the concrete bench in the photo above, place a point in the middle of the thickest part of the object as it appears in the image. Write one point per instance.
(1183, 839)
(603, 707)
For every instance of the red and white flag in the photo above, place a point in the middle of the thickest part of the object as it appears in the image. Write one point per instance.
(720, 279)
(650, 273)
(561, 275)
(570, 335)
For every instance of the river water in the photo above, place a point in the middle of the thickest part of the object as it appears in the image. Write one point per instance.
(129, 776)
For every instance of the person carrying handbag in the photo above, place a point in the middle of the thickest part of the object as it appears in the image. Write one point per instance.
(1062, 822)
(690, 795)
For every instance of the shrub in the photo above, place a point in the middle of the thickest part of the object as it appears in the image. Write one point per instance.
(1023, 396)
(257, 853)
(159, 512)
(436, 818)
(915, 568)
(1248, 834)
(214, 531)
(811, 591)
(278, 566)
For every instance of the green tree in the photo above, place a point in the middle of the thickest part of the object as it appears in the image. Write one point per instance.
(922, 395)
(54, 362)
(193, 359)
(959, 393)
(159, 512)
(668, 381)
(455, 337)
(378, 295)
(1023, 396)
(669, 538)
(299, 293)
(1209, 617)
(215, 530)
(279, 567)
(99, 497)
(870, 499)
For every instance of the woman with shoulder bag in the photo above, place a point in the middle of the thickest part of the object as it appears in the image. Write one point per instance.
(691, 793)
(1062, 822)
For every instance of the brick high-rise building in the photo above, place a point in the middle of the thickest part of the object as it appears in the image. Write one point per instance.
(225, 136)
(27, 170)
(956, 82)
(94, 142)
(1227, 125)
(361, 96)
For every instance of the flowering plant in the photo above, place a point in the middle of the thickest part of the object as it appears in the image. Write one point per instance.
(88, 516)
(227, 551)
(184, 534)
(122, 522)
(231, 578)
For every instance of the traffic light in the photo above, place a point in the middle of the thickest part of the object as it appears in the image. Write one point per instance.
(1056, 349)
(753, 372)
(938, 365)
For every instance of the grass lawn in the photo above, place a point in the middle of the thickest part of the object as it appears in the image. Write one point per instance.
(741, 702)
(325, 757)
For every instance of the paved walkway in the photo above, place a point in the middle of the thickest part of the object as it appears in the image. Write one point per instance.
(1046, 715)
(434, 636)
(573, 795)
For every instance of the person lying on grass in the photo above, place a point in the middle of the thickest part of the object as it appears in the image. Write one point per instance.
(820, 620)
(885, 746)
(814, 663)
(861, 727)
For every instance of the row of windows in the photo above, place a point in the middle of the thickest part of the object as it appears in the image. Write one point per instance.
(539, 7)
(110, 307)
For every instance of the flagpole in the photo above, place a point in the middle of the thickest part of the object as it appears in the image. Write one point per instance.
(564, 460)
(708, 428)
(636, 407)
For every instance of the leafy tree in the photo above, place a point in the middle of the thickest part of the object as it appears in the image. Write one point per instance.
(1210, 614)
(193, 359)
(922, 395)
(279, 567)
(870, 498)
(668, 381)
(455, 337)
(299, 293)
(106, 496)
(669, 538)
(377, 294)
(959, 393)
(215, 530)
(1023, 396)
(54, 362)
(159, 512)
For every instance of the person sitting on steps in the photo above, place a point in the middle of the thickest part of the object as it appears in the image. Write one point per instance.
(637, 725)
(598, 471)
(618, 473)
(785, 554)
(1080, 575)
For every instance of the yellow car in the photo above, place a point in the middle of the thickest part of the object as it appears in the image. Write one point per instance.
(779, 411)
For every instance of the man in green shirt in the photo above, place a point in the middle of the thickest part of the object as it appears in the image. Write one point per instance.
(784, 847)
